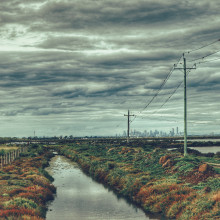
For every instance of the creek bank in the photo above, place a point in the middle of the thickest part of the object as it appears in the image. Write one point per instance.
(25, 187)
(80, 197)
(137, 174)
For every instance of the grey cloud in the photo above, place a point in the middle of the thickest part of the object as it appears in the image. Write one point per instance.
(68, 43)
(104, 57)
(86, 14)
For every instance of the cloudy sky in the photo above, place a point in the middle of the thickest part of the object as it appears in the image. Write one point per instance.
(74, 67)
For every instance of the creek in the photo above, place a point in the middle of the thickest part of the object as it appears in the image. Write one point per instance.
(79, 197)
(208, 149)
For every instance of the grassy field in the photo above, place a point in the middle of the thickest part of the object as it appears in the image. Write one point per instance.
(25, 187)
(159, 180)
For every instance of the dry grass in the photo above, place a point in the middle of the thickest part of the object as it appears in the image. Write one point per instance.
(24, 190)
(6, 147)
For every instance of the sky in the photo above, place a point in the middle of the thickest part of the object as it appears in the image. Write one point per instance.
(75, 67)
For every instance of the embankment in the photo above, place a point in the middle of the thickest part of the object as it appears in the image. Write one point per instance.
(25, 187)
(158, 180)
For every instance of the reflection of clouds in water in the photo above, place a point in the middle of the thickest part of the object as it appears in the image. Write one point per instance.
(82, 198)
(207, 149)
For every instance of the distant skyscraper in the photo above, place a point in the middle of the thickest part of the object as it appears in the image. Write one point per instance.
(172, 131)
(177, 130)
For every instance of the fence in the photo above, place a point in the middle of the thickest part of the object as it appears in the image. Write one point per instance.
(9, 157)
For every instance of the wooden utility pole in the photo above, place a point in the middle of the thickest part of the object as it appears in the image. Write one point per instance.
(185, 103)
(128, 132)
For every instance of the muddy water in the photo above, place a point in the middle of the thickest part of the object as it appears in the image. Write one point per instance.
(208, 149)
(80, 198)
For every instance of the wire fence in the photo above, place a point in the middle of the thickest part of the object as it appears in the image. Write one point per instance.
(9, 157)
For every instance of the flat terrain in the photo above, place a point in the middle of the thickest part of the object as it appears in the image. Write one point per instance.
(159, 180)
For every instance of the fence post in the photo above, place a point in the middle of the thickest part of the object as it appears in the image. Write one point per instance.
(13, 155)
(6, 158)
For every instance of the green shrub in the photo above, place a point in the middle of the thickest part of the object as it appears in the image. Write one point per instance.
(2, 152)
(21, 202)
(46, 174)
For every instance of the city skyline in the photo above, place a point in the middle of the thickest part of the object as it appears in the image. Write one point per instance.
(153, 133)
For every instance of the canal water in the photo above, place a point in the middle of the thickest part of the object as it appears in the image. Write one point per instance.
(204, 149)
(81, 198)
(208, 149)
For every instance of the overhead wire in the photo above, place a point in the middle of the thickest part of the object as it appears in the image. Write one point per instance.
(158, 91)
(168, 76)
(171, 94)
(180, 82)
(204, 56)
(206, 45)
(208, 61)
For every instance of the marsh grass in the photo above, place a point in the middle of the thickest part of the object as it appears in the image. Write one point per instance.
(25, 187)
(135, 172)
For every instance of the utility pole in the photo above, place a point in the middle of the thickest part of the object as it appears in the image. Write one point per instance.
(185, 103)
(128, 126)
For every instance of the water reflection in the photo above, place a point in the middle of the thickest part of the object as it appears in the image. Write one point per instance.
(208, 149)
(201, 140)
(79, 197)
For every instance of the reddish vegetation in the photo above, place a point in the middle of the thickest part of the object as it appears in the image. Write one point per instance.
(196, 176)
(163, 159)
(160, 181)
(24, 190)
(216, 197)
(204, 168)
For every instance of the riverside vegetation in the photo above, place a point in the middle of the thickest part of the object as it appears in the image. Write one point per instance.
(25, 186)
(160, 181)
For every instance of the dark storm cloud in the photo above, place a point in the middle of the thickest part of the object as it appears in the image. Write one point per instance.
(62, 15)
(132, 58)
(63, 59)
(56, 74)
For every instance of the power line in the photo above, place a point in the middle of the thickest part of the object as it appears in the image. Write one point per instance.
(208, 61)
(160, 88)
(162, 85)
(170, 73)
(203, 46)
(204, 56)
(171, 94)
